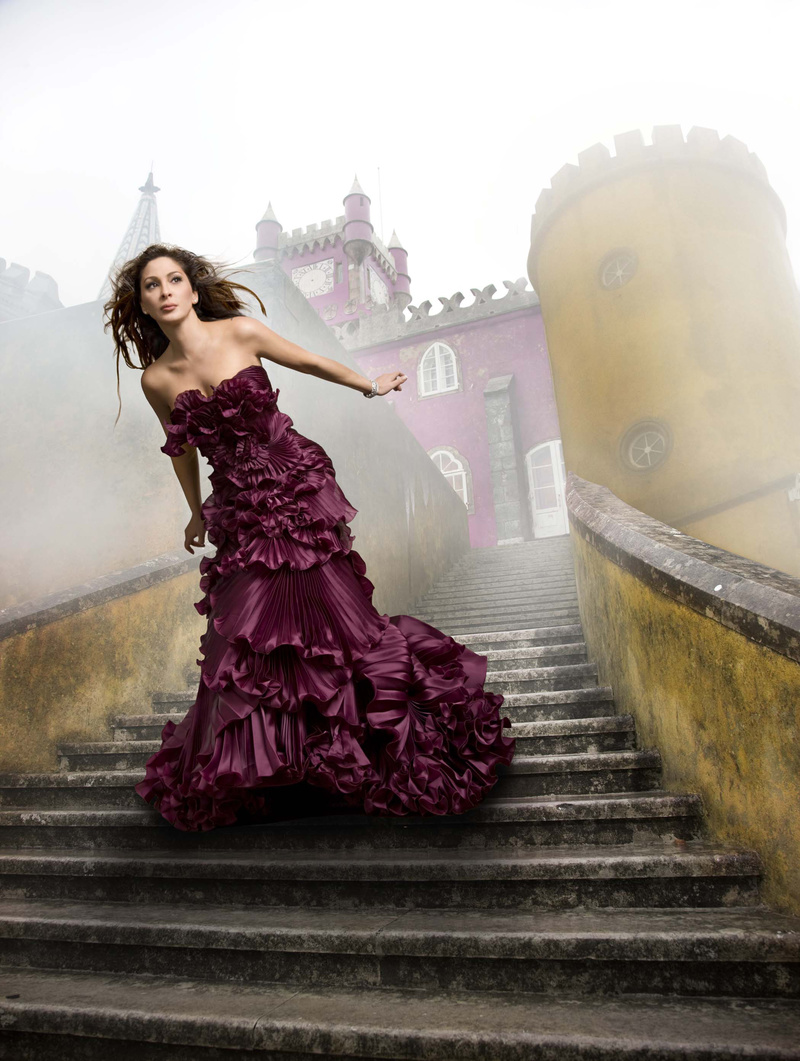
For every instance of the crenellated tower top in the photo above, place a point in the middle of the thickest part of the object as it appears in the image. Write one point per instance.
(596, 166)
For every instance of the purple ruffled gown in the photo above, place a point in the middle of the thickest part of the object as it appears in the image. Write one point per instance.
(305, 690)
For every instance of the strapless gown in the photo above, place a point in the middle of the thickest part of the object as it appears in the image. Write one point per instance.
(308, 697)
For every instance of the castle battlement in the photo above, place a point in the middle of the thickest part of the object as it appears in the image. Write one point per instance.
(317, 235)
(23, 296)
(386, 324)
(597, 165)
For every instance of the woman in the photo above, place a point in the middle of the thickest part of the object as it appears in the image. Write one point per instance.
(309, 700)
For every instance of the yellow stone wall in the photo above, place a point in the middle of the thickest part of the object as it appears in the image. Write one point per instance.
(723, 711)
(63, 681)
(705, 337)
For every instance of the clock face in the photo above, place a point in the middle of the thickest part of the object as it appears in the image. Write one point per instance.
(314, 279)
(377, 288)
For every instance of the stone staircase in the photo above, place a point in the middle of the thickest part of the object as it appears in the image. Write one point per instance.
(580, 912)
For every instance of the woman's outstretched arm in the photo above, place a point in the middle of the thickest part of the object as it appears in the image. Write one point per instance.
(264, 342)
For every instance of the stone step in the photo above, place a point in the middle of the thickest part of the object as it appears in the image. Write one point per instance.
(505, 639)
(544, 564)
(557, 569)
(548, 700)
(493, 597)
(458, 628)
(555, 704)
(492, 591)
(509, 618)
(520, 707)
(516, 636)
(694, 873)
(498, 598)
(559, 574)
(127, 728)
(554, 569)
(504, 821)
(155, 1018)
(541, 656)
(106, 756)
(149, 726)
(174, 699)
(745, 951)
(521, 612)
(611, 771)
(579, 773)
(543, 549)
(611, 733)
(583, 774)
(533, 679)
(515, 616)
(492, 594)
(567, 736)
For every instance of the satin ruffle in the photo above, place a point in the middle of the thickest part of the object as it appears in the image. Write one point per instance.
(302, 681)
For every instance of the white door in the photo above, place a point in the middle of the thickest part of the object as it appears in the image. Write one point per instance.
(547, 479)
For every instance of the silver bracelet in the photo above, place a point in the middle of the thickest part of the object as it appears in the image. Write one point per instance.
(374, 390)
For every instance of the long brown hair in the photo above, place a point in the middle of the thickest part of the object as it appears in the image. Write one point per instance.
(134, 329)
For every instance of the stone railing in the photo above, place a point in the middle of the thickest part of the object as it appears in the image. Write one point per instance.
(72, 660)
(702, 647)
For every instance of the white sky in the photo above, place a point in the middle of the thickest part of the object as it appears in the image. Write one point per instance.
(467, 108)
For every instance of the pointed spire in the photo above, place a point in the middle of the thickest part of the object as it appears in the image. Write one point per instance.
(149, 188)
(356, 189)
(142, 231)
(395, 242)
(268, 231)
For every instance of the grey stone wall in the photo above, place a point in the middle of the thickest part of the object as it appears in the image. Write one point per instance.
(505, 461)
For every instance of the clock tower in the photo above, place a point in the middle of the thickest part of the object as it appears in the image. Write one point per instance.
(341, 266)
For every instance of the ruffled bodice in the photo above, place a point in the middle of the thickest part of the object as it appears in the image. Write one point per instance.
(302, 681)
(275, 496)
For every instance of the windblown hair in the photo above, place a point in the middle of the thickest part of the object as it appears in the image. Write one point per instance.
(134, 330)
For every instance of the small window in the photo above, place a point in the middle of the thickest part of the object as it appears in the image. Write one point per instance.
(438, 370)
(646, 445)
(617, 268)
(339, 272)
(453, 468)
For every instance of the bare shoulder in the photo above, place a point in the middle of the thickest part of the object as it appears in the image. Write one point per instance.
(247, 330)
(154, 386)
(152, 379)
(262, 341)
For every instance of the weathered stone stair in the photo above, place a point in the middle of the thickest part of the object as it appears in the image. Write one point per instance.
(581, 911)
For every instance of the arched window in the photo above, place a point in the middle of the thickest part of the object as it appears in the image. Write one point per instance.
(438, 370)
(455, 469)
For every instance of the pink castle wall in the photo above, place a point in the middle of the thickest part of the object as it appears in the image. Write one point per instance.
(511, 343)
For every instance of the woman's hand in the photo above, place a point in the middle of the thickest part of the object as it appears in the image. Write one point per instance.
(390, 381)
(195, 533)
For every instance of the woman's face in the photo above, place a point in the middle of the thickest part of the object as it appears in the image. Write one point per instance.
(165, 291)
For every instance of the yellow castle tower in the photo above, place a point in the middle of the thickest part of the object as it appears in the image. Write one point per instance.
(673, 326)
